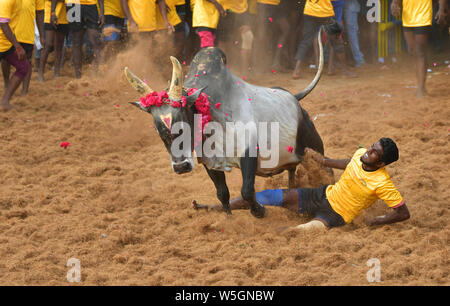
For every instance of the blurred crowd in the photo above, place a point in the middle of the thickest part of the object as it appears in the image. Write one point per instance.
(257, 35)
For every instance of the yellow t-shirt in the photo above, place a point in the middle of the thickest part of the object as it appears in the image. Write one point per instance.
(417, 13)
(60, 12)
(236, 6)
(273, 2)
(113, 8)
(9, 11)
(318, 8)
(205, 14)
(178, 2)
(358, 189)
(25, 27)
(253, 7)
(83, 2)
(144, 13)
(172, 15)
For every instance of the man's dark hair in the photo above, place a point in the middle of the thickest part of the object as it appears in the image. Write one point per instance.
(390, 151)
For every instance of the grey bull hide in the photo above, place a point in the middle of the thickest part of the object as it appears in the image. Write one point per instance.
(240, 102)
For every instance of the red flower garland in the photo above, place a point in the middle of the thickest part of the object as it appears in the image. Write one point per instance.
(202, 106)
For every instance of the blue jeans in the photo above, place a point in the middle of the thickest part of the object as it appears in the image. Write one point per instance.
(351, 10)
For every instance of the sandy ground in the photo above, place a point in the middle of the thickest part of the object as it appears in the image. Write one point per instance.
(112, 201)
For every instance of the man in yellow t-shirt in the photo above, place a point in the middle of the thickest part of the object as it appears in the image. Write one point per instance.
(31, 11)
(272, 29)
(85, 16)
(114, 21)
(364, 181)
(205, 19)
(417, 19)
(56, 27)
(236, 34)
(318, 13)
(10, 49)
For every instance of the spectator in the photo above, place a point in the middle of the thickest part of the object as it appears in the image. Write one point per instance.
(205, 20)
(114, 19)
(11, 50)
(317, 14)
(56, 27)
(235, 29)
(417, 20)
(30, 11)
(88, 19)
(351, 10)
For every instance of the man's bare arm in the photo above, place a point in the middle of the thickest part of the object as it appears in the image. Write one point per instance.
(399, 214)
(328, 162)
(4, 26)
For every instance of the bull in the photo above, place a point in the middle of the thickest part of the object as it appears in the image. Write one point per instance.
(240, 102)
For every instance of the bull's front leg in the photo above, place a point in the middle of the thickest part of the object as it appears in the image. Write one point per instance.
(249, 166)
(223, 194)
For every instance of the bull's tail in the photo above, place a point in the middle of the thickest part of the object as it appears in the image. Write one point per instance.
(313, 84)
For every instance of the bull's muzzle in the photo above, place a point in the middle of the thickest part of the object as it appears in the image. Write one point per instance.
(182, 167)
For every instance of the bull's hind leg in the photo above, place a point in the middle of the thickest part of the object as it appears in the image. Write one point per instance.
(248, 168)
(223, 194)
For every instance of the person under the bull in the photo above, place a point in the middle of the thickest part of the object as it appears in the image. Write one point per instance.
(32, 10)
(363, 181)
(56, 28)
(417, 20)
(11, 50)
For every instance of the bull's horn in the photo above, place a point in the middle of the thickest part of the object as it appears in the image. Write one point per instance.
(137, 83)
(313, 84)
(176, 85)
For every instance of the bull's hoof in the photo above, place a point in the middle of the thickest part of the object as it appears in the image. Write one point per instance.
(258, 211)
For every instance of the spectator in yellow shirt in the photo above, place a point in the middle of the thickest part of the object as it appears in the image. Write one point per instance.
(316, 14)
(11, 50)
(364, 181)
(112, 30)
(272, 30)
(417, 19)
(84, 16)
(236, 34)
(56, 28)
(31, 10)
(205, 19)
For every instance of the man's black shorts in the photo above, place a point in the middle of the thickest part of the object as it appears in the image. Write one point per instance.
(313, 201)
(7, 52)
(88, 18)
(229, 25)
(114, 20)
(418, 30)
(63, 28)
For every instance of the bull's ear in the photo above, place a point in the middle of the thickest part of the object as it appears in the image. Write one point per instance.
(192, 98)
(137, 104)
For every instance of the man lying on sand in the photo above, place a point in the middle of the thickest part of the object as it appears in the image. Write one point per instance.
(364, 181)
